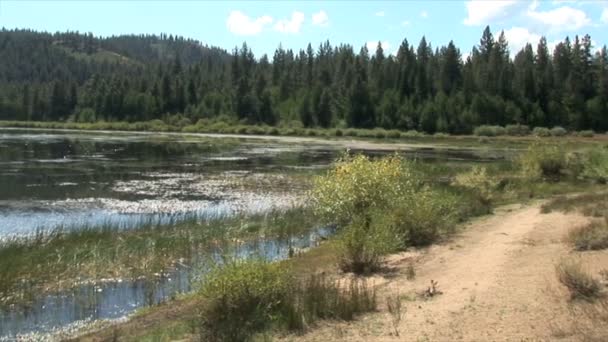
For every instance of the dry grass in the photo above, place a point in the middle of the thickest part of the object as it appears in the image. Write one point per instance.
(593, 236)
(580, 284)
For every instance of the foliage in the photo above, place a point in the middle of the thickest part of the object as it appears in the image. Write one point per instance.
(489, 131)
(479, 181)
(579, 283)
(542, 132)
(357, 185)
(586, 134)
(362, 245)
(243, 297)
(595, 164)
(517, 130)
(246, 297)
(380, 206)
(420, 219)
(558, 131)
(73, 77)
(543, 161)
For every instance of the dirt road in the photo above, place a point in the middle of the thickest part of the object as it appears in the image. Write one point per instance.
(497, 279)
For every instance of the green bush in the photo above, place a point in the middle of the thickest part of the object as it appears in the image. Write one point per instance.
(338, 132)
(379, 133)
(586, 134)
(358, 185)
(420, 219)
(379, 206)
(542, 132)
(543, 161)
(393, 134)
(243, 297)
(411, 134)
(441, 135)
(595, 164)
(558, 131)
(517, 130)
(351, 133)
(489, 131)
(480, 182)
(363, 244)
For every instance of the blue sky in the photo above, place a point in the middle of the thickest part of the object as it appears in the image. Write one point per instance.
(266, 24)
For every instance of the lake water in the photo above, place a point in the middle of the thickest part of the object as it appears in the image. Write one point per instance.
(51, 179)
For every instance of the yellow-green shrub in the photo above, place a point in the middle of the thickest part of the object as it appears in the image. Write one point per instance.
(479, 181)
(543, 161)
(243, 297)
(356, 185)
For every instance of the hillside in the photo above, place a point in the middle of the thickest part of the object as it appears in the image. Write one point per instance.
(79, 77)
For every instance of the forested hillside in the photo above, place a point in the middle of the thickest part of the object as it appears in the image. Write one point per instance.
(79, 77)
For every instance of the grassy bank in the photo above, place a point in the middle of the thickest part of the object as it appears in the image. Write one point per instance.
(60, 258)
(481, 134)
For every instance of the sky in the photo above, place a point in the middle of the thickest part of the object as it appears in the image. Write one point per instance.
(293, 24)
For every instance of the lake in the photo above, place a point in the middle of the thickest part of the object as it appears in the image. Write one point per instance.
(72, 180)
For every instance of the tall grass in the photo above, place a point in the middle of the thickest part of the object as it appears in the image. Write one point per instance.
(57, 259)
(243, 298)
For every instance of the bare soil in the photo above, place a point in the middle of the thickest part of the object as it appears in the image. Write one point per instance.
(496, 281)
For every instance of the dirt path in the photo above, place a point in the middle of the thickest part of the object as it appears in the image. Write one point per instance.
(497, 280)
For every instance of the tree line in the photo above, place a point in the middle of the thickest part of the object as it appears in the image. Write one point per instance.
(80, 77)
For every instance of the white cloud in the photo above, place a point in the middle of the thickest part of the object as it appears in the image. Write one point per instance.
(405, 23)
(482, 12)
(241, 24)
(518, 37)
(604, 17)
(320, 19)
(560, 19)
(424, 14)
(292, 25)
(373, 45)
(379, 14)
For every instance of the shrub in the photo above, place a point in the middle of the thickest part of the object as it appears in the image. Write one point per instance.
(543, 161)
(542, 132)
(558, 131)
(478, 180)
(379, 133)
(273, 131)
(593, 236)
(595, 164)
(489, 131)
(579, 283)
(338, 132)
(441, 135)
(363, 244)
(586, 134)
(351, 133)
(356, 185)
(420, 219)
(411, 134)
(393, 134)
(517, 130)
(241, 298)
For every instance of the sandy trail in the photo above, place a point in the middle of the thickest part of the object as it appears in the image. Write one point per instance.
(497, 279)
